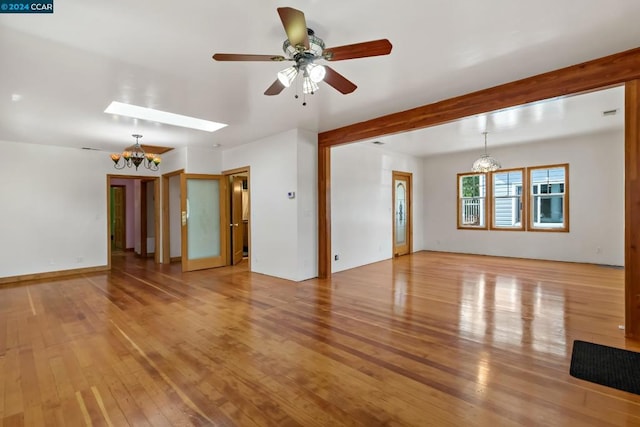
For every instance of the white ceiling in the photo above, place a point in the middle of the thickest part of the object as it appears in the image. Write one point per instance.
(552, 119)
(68, 66)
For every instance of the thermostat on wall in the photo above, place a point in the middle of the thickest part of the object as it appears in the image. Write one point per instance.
(291, 194)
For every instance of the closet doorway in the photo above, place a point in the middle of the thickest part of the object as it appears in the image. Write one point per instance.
(239, 214)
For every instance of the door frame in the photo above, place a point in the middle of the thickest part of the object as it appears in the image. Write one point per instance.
(236, 225)
(408, 176)
(156, 212)
(245, 171)
(166, 228)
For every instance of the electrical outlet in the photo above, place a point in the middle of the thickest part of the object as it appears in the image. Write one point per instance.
(336, 257)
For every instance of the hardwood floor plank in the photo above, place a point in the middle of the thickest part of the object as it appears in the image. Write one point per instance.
(13, 401)
(3, 375)
(34, 416)
(427, 339)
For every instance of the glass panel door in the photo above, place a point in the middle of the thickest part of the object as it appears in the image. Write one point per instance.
(204, 234)
(401, 213)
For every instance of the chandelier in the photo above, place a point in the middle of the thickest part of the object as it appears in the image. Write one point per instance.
(135, 156)
(312, 73)
(485, 163)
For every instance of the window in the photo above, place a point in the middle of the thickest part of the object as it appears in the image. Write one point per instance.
(549, 198)
(472, 193)
(507, 202)
(532, 199)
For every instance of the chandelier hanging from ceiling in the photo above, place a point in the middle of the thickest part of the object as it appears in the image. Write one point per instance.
(135, 156)
(485, 163)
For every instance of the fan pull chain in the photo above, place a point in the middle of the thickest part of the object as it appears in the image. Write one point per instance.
(304, 96)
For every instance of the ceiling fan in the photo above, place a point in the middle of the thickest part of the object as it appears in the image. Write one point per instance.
(304, 48)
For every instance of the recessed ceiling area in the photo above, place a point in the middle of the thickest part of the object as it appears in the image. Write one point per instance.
(593, 112)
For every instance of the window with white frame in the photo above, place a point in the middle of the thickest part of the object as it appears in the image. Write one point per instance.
(549, 198)
(507, 201)
(472, 195)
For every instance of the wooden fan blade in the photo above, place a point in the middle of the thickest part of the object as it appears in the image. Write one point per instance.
(358, 50)
(295, 25)
(338, 81)
(275, 88)
(241, 57)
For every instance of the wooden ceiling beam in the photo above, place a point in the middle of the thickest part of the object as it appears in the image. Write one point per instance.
(603, 72)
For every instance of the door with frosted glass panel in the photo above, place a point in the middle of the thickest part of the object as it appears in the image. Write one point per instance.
(401, 213)
(205, 232)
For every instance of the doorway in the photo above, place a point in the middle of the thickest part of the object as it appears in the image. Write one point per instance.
(402, 218)
(133, 215)
(239, 213)
(171, 217)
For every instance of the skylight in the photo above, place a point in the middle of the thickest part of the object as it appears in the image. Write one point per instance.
(150, 114)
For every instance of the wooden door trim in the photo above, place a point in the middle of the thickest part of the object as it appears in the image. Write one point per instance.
(245, 170)
(237, 171)
(632, 210)
(409, 177)
(324, 212)
(235, 228)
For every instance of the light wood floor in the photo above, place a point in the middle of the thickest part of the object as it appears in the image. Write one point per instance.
(428, 339)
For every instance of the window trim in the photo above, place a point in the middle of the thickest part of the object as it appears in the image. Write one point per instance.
(523, 197)
(461, 226)
(565, 200)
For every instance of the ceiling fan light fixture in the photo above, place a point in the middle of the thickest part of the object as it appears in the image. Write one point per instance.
(316, 72)
(316, 44)
(309, 86)
(287, 76)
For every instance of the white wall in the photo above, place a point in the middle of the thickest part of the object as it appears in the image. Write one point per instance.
(307, 196)
(276, 220)
(54, 214)
(596, 199)
(54, 208)
(361, 203)
(173, 160)
(201, 160)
